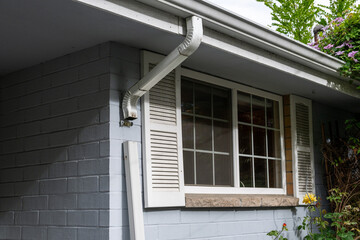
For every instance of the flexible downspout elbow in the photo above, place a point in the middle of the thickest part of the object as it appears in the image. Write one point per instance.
(175, 58)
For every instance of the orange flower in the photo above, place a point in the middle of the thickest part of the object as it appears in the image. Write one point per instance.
(284, 225)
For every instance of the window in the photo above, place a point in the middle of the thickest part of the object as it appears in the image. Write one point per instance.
(231, 137)
(206, 131)
(259, 141)
(206, 135)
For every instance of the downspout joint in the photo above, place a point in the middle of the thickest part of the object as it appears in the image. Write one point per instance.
(175, 58)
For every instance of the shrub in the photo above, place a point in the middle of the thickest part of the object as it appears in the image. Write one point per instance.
(341, 39)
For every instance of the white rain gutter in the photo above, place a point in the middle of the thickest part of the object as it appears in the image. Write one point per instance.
(228, 23)
(175, 58)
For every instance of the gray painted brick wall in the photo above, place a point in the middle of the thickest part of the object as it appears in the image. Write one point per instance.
(54, 122)
(61, 163)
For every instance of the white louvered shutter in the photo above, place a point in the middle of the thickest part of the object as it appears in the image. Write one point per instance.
(163, 168)
(302, 145)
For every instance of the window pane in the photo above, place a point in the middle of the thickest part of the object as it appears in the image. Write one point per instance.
(272, 114)
(189, 167)
(222, 136)
(187, 131)
(223, 170)
(203, 133)
(275, 173)
(260, 172)
(244, 139)
(202, 100)
(246, 172)
(204, 169)
(221, 102)
(244, 107)
(258, 108)
(187, 102)
(274, 143)
(259, 141)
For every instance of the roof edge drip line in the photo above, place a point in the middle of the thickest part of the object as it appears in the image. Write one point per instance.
(170, 62)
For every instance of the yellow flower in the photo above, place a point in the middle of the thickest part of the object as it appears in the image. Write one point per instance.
(309, 198)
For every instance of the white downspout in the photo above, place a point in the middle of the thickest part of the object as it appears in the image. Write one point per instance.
(175, 58)
(133, 190)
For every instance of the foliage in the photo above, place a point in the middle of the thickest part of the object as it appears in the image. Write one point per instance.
(276, 235)
(342, 167)
(341, 39)
(294, 18)
(333, 225)
(336, 9)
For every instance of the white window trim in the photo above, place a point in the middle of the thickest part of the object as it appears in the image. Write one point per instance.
(234, 87)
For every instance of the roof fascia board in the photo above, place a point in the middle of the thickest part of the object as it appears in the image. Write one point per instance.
(280, 63)
(248, 31)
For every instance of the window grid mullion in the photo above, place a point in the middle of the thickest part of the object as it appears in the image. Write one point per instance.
(259, 126)
(257, 156)
(206, 151)
(206, 117)
(212, 135)
(252, 140)
(266, 147)
(235, 131)
(194, 132)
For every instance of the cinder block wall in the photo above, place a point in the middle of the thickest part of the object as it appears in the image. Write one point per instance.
(61, 161)
(54, 156)
(125, 71)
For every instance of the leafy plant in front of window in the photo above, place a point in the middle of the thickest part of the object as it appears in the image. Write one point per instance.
(341, 39)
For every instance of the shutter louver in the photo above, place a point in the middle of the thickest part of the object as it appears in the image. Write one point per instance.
(304, 170)
(302, 125)
(164, 160)
(162, 137)
(302, 145)
(162, 100)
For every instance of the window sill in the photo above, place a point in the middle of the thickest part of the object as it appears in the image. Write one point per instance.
(223, 200)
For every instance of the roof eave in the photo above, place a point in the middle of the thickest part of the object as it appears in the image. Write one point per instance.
(236, 26)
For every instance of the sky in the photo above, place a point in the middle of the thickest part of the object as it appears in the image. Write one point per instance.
(253, 10)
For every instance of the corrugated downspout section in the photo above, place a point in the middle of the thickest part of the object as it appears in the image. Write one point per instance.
(175, 58)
